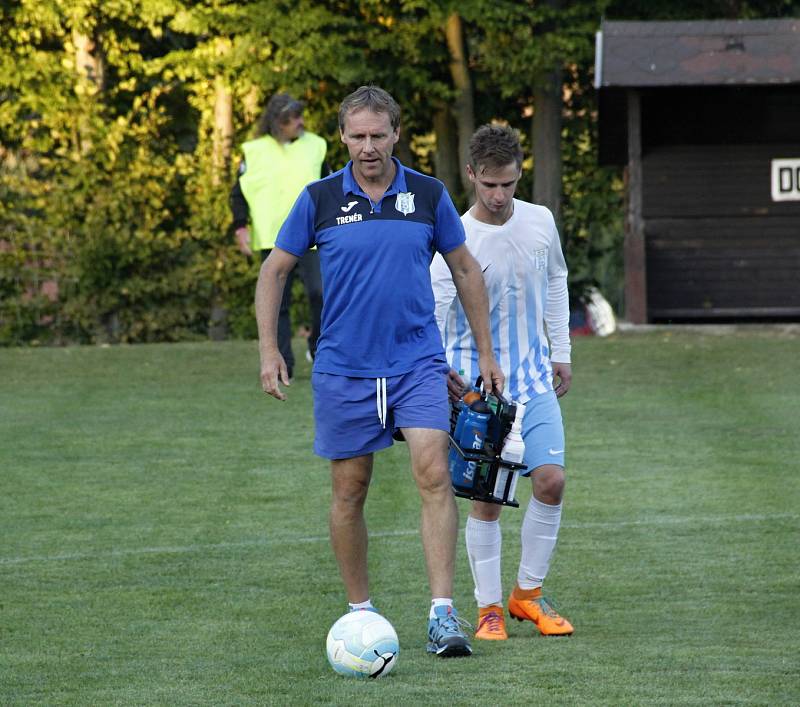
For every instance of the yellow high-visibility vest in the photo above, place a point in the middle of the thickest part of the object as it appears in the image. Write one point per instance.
(275, 176)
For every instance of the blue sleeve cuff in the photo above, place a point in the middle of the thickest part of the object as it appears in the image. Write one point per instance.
(449, 231)
(297, 235)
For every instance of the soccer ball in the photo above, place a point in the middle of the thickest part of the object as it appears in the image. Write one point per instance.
(362, 644)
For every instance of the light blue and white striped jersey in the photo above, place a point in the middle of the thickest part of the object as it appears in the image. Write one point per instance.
(526, 279)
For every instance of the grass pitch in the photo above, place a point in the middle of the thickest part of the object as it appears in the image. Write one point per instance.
(163, 535)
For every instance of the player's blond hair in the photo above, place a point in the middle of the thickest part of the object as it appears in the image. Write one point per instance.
(493, 146)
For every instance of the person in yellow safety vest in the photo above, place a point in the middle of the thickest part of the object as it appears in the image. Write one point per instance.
(276, 165)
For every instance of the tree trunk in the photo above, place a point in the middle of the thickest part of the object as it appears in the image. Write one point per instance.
(464, 106)
(89, 64)
(402, 150)
(223, 131)
(445, 159)
(89, 81)
(547, 142)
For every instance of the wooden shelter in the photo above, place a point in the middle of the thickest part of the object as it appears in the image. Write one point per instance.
(706, 118)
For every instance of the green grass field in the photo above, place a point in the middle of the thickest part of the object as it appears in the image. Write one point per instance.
(163, 535)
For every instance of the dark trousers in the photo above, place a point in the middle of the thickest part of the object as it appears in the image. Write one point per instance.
(308, 269)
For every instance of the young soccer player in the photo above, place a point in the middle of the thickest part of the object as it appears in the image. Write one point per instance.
(517, 246)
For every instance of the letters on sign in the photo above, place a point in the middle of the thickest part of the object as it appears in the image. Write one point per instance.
(786, 179)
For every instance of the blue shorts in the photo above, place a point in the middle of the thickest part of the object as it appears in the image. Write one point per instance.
(348, 411)
(543, 431)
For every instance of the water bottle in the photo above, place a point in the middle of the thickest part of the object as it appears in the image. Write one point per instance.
(453, 457)
(473, 394)
(471, 438)
(455, 462)
(513, 451)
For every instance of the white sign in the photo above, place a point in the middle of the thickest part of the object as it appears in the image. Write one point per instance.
(786, 180)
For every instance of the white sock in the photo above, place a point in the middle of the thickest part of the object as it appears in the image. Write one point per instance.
(439, 601)
(484, 545)
(361, 605)
(539, 535)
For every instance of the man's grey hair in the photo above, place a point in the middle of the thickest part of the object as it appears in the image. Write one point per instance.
(372, 98)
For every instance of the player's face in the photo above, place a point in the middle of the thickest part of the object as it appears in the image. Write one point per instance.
(370, 139)
(494, 191)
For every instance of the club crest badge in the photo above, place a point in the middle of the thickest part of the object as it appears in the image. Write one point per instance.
(405, 203)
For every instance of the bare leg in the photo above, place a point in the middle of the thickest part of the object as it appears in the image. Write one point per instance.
(350, 481)
(548, 484)
(485, 511)
(439, 526)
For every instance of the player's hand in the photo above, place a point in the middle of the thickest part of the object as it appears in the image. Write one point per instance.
(243, 240)
(562, 378)
(455, 386)
(491, 371)
(273, 372)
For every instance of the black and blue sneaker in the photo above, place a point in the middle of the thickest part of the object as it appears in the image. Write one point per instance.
(445, 636)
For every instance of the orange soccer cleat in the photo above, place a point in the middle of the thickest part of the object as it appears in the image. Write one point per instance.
(491, 623)
(531, 605)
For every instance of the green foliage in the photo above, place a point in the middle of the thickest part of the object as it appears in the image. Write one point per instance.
(515, 42)
(112, 226)
(103, 207)
(706, 10)
(593, 212)
(114, 223)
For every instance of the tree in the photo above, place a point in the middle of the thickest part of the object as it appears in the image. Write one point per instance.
(95, 213)
(119, 124)
(463, 105)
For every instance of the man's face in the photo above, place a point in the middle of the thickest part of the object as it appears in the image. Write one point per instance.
(370, 139)
(291, 127)
(494, 189)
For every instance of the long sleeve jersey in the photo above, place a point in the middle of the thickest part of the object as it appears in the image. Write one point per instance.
(526, 280)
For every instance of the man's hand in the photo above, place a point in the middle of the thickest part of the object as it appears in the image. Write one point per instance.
(273, 372)
(243, 240)
(494, 381)
(562, 378)
(269, 289)
(455, 386)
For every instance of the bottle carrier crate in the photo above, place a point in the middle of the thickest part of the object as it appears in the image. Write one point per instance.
(488, 463)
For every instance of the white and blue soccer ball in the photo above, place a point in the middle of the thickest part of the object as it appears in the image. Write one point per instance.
(362, 644)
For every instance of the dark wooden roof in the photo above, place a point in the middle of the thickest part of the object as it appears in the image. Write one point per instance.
(698, 53)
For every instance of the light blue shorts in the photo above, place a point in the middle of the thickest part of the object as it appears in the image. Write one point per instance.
(346, 410)
(543, 431)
